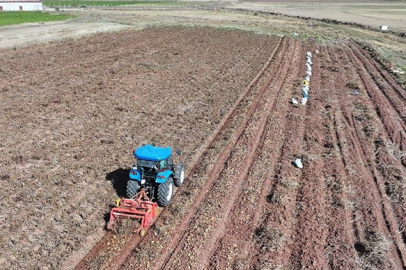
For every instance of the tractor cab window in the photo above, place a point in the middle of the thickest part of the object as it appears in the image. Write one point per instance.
(146, 163)
(162, 164)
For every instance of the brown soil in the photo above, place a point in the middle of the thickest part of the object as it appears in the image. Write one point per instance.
(222, 97)
(72, 111)
(343, 210)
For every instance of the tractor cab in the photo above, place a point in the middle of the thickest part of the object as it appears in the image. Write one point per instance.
(155, 173)
(153, 157)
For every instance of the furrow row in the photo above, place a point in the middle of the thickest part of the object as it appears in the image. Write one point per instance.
(232, 248)
(197, 191)
(209, 220)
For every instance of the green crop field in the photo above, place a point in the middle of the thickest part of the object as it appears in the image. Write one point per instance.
(17, 17)
(104, 3)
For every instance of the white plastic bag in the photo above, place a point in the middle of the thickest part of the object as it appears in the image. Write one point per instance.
(298, 163)
(294, 101)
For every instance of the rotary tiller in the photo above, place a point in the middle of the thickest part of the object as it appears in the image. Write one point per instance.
(139, 207)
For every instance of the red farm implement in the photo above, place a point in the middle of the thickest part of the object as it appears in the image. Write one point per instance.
(139, 207)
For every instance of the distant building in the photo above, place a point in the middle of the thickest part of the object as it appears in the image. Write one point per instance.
(23, 5)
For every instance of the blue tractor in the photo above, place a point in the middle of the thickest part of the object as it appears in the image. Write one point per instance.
(156, 173)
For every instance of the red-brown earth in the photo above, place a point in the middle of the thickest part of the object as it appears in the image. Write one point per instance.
(72, 110)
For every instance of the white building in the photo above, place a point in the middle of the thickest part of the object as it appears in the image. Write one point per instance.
(25, 5)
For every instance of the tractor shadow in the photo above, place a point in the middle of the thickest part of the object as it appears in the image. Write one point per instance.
(118, 179)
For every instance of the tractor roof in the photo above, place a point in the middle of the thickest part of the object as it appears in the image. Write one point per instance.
(152, 153)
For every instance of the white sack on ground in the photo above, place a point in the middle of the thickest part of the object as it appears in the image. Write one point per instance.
(305, 92)
(298, 163)
(294, 101)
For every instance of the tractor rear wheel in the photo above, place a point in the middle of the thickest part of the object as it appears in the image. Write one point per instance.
(132, 188)
(165, 192)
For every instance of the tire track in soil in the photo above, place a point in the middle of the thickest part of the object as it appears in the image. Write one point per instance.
(371, 214)
(225, 124)
(371, 227)
(363, 201)
(377, 103)
(386, 107)
(339, 249)
(368, 151)
(231, 248)
(207, 220)
(395, 94)
(342, 166)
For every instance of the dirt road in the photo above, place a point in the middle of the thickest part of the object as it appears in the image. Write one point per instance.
(370, 13)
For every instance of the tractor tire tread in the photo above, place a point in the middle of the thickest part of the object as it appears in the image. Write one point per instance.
(132, 188)
(179, 168)
(163, 190)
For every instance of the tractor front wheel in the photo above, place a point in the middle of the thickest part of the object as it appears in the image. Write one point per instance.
(165, 192)
(132, 188)
(179, 174)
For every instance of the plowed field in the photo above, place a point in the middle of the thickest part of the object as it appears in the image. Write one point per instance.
(71, 111)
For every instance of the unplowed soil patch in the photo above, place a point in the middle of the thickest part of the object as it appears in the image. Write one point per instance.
(72, 110)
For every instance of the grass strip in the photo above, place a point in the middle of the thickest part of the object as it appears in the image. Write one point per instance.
(18, 17)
